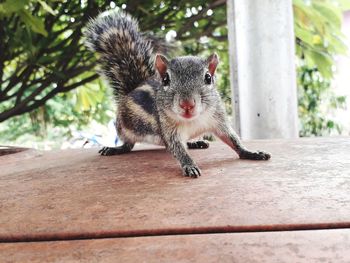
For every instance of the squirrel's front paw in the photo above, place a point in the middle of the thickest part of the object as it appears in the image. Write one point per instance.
(107, 151)
(198, 145)
(258, 155)
(191, 171)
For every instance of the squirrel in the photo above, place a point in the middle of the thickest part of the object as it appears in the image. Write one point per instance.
(159, 100)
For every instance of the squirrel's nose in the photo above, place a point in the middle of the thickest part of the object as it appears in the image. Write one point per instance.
(187, 104)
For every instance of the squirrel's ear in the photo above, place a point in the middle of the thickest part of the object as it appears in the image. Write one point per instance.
(213, 61)
(161, 64)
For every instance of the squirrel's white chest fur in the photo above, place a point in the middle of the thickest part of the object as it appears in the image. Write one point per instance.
(191, 129)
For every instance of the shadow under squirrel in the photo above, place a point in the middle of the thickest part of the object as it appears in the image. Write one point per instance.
(160, 101)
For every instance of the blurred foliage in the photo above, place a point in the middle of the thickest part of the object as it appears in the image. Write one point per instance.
(319, 39)
(62, 115)
(48, 82)
(316, 103)
(317, 26)
(42, 52)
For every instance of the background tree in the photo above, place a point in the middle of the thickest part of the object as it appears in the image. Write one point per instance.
(43, 52)
(47, 75)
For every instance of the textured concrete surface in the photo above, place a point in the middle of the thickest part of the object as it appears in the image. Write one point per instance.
(279, 247)
(79, 194)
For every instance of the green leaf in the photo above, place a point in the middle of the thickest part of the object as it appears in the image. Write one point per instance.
(36, 24)
(337, 44)
(46, 7)
(11, 6)
(89, 95)
(303, 34)
(344, 4)
(47, 59)
(330, 124)
(58, 74)
(308, 16)
(324, 63)
(328, 10)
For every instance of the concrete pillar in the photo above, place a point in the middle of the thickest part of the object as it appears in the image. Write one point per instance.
(262, 53)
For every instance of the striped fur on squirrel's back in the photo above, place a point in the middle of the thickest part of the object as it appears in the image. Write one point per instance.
(125, 54)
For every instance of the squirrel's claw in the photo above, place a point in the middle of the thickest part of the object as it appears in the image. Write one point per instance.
(198, 145)
(191, 171)
(107, 151)
(258, 155)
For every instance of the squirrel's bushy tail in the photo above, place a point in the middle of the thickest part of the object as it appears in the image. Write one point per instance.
(125, 53)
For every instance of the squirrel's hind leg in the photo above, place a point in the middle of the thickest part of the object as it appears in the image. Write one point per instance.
(200, 144)
(125, 148)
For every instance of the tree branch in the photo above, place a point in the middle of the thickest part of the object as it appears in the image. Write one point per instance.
(189, 22)
(17, 110)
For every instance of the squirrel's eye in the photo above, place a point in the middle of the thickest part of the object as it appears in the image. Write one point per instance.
(166, 79)
(207, 78)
